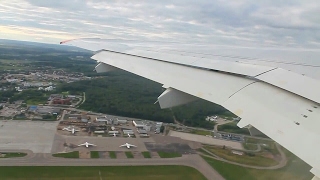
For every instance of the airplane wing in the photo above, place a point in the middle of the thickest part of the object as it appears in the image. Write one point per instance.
(124, 145)
(84, 144)
(276, 91)
(91, 144)
(132, 145)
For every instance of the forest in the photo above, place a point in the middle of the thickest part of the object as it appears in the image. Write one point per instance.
(118, 93)
(121, 93)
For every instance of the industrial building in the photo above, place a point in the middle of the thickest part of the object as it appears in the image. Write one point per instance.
(121, 121)
(147, 127)
(113, 132)
(128, 131)
(104, 119)
(138, 124)
(142, 131)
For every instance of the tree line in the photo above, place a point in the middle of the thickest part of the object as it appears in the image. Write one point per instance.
(125, 94)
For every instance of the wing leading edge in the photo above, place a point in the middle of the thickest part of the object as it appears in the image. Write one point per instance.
(270, 98)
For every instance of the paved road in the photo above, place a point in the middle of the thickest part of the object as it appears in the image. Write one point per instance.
(43, 159)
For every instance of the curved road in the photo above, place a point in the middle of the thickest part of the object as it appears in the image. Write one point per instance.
(282, 163)
(40, 159)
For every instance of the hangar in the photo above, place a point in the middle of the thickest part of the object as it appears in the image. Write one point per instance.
(138, 124)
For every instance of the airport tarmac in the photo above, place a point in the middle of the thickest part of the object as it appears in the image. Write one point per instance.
(64, 143)
(206, 140)
(171, 147)
(36, 136)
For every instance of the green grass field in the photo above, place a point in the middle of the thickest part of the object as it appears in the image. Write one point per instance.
(96, 173)
(94, 154)
(112, 155)
(250, 146)
(169, 154)
(129, 154)
(267, 145)
(74, 154)
(295, 170)
(146, 154)
(257, 160)
(11, 155)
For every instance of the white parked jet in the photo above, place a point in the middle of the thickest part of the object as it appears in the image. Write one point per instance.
(73, 130)
(87, 144)
(114, 135)
(129, 135)
(128, 145)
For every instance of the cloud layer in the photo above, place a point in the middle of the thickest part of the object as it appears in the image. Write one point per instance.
(294, 23)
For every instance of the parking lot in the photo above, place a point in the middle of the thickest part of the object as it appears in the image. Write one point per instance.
(69, 143)
(206, 140)
(35, 136)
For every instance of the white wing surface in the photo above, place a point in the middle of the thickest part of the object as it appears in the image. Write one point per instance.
(276, 91)
(89, 144)
(132, 145)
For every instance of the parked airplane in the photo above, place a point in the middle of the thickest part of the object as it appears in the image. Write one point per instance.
(128, 145)
(87, 144)
(114, 135)
(73, 130)
(129, 135)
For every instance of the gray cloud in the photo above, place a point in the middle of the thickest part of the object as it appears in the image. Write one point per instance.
(247, 23)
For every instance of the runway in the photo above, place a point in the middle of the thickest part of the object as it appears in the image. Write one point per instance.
(45, 159)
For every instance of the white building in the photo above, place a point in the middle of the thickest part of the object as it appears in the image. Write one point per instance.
(147, 127)
(128, 131)
(138, 124)
(49, 88)
(159, 124)
(113, 132)
(122, 121)
(211, 118)
(142, 131)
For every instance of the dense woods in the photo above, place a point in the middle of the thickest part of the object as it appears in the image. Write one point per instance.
(124, 94)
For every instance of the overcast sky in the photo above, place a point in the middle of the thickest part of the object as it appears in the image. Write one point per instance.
(289, 23)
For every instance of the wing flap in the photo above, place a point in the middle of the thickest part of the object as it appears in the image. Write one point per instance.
(296, 83)
(284, 117)
(212, 86)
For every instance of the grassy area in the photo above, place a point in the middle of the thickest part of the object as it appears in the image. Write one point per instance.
(112, 154)
(255, 159)
(267, 145)
(105, 172)
(204, 152)
(129, 154)
(12, 154)
(65, 93)
(94, 154)
(233, 128)
(169, 154)
(35, 102)
(146, 154)
(200, 132)
(250, 146)
(74, 154)
(296, 169)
